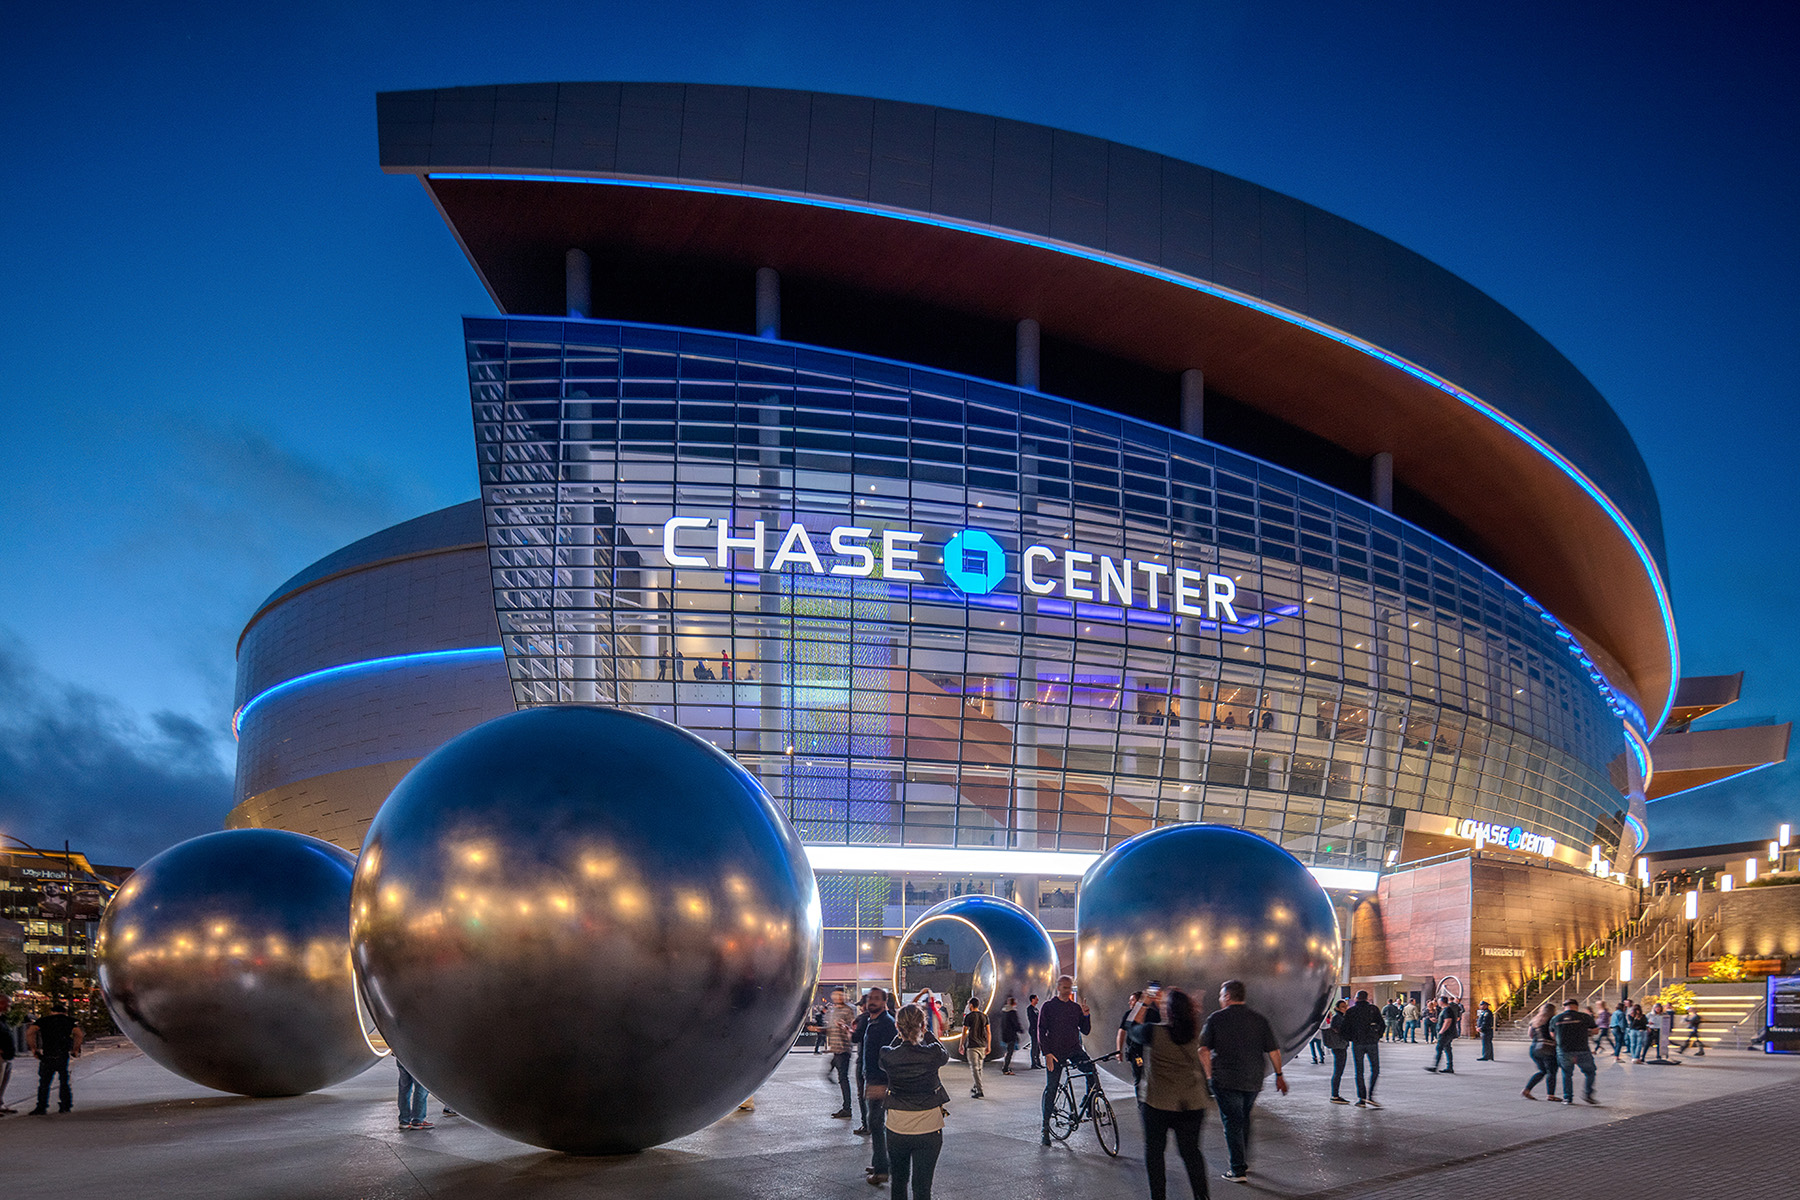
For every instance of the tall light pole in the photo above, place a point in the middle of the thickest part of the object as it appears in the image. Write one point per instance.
(1624, 977)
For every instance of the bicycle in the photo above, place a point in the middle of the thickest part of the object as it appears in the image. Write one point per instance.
(1066, 1115)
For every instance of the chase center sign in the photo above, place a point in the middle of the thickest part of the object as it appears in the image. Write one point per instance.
(974, 563)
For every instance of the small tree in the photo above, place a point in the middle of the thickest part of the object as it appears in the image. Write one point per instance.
(1676, 998)
(1727, 968)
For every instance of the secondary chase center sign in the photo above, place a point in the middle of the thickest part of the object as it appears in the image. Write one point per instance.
(974, 563)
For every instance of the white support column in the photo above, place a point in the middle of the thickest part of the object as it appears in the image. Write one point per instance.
(768, 303)
(578, 288)
(1026, 356)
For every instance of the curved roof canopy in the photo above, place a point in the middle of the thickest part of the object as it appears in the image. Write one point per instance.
(1304, 316)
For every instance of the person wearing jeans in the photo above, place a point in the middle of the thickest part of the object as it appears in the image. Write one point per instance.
(877, 1035)
(1337, 1040)
(836, 1022)
(1061, 1022)
(1363, 1027)
(914, 1107)
(1232, 1045)
(1574, 1032)
(413, 1099)
(1450, 1015)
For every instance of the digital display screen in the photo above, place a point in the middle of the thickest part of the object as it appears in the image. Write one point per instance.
(1784, 1015)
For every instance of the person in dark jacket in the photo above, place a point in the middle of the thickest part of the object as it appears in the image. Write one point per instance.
(1449, 1028)
(857, 1029)
(1335, 1033)
(1391, 1013)
(1031, 1031)
(1060, 1026)
(8, 1051)
(915, 1103)
(878, 1034)
(54, 1039)
(1363, 1027)
(1011, 1026)
(1484, 1026)
(1233, 1045)
(1172, 1092)
(1543, 1051)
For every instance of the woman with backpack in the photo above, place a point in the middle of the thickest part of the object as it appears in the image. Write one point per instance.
(1335, 1033)
(1172, 1092)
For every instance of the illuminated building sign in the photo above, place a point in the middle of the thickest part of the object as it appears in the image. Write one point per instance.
(1507, 837)
(974, 563)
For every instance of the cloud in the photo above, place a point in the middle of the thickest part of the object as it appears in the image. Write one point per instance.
(78, 766)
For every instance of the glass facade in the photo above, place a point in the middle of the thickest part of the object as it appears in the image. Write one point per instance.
(1141, 628)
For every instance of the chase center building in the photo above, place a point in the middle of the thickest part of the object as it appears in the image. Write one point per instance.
(994, 493)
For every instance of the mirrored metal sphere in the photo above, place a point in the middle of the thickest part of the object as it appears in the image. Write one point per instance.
(1194, 905)
(980, 945)
(586, 929)
(227, 960)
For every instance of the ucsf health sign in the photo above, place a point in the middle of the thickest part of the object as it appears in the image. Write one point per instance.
(974, 563)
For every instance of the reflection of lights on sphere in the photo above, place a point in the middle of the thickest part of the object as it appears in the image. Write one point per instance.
(585, 929)
(980, 944)
(227, 960)
(1195, 905)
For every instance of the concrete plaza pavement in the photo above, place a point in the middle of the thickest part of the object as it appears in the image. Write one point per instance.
(1724, 1126)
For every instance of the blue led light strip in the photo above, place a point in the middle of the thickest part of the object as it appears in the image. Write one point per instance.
(1542, 447)
(420, 659)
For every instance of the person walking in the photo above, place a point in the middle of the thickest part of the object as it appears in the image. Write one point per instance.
(1316, 1044)
(838, 1020)
(8, 1051)
(1621, 1029)
(1336, 1036)
(1662, 1032)
(1692, 1021)
(1363, 1026)
(1449, 1019)
(913, 1110)
(1409, 1015)
(1031, 1031)
(1543, 1051)
(1061, 1022)
(1232, 1045)
(1172, 1093)
(413, 1101)
(1011, 1026)
(976, 1037)
(879, 1033)
(1574, 1031)
(1390, 1012)
(1603, 1019)
(1484, 1025)
(54, 1039)
(817, 1022)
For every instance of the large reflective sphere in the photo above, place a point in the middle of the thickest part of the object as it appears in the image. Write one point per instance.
(980, 945)
(586, 929)
(1194, 905)
(227, 960)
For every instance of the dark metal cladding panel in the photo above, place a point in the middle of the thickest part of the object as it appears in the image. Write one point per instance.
(587, 127)
(1078, 189)
(1284, 250)
(838, 145)
(712, 133)
(900, 165)
(775, 136)
(1023, 157)
(525, 126)
(1133, 202)
(650, 129)
(962, 166)
(1330, 249)
(462, 127)
(1237, 234)
(1187, 239)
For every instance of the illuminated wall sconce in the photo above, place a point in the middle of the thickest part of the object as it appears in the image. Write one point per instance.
(1724, 883)
(1749, 870)
(1692, 907)
(1624, 966)
(1786, 835)
(1774, 852)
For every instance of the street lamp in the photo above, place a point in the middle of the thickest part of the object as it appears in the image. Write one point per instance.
(1690, 910)
(1724, 883)
(1624, 976)
(1750, 870)
(1775, 852)
(1786, 834)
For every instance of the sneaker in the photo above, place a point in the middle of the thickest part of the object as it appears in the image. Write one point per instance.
(1236, 1178)
(1370, 1102)
(423, 1125)
(1339, 1100)
(1362, 1104)
(1006, 1072)
(449, 1112)
(1570, 1103)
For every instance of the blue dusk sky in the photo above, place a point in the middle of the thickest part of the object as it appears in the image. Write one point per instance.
(231, 344)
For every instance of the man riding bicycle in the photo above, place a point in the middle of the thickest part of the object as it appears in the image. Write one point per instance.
(1061, 1022)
